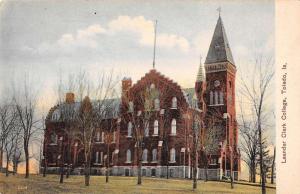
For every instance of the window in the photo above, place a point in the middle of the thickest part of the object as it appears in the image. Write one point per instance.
(221, 97)
(101, 157)
(152, 86)
(53, 138)
(174, 102)
(114, 136)
(211, 98)
(146, 130)
(172, 155)
(97, 157)
(129, 133)
(216, 98)
(102, 137)
(130, 106)
(154, 155)
(145, 154)
(155, 127)
(156, 104)
(98, 136)
(128, 156)
(173, 127)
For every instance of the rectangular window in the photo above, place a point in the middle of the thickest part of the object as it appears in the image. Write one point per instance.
(97, 157)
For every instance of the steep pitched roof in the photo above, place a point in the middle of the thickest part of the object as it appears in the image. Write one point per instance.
(219, 50)
(201, 76)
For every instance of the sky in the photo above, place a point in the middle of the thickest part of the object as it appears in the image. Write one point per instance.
(44, 38)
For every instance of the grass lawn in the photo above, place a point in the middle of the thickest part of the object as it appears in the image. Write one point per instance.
(117, 185)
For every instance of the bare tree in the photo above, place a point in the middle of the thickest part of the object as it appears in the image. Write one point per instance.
(139, 115)
(249, 142)
(273, 166)
(255, 89)
(7, 123)
(25, 100)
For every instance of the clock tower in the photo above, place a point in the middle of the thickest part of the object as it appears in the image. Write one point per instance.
(220, 100)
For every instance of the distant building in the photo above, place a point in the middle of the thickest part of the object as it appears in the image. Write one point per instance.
(167, 136)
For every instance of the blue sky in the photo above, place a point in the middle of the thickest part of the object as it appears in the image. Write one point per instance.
(45, 37)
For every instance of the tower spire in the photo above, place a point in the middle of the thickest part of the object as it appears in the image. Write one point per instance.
(201, 77)
(219, 10)
(154, 47)
(219, 49)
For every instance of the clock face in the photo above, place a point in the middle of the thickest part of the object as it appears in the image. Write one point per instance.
(216, 83)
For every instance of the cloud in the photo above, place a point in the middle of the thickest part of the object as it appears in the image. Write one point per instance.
(91, 36)
(84, 37)
(145, 29)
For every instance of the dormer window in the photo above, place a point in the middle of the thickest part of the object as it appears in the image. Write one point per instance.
(174, 102)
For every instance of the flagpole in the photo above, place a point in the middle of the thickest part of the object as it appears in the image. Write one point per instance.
(154, 44)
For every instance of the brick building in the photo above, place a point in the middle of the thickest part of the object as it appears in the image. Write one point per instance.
(153, 122)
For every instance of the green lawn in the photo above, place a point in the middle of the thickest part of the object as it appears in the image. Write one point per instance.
(75, 184)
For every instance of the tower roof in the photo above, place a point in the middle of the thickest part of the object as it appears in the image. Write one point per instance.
(219, 50)
(201, 76)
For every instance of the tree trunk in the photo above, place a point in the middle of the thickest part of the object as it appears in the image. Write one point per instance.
(252, 172)
(195, 177)
(139, 168)
(87, 175)
(206, 173)
(61, 180)
(7, 162)
(273, 167)
(107, 166)
(262, 173)
(194, 170)
(26, 161)
(45, 167)
(1, 157)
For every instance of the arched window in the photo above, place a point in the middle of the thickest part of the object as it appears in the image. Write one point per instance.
(129, 129)
(155, 127)
(128, 156)
(145, 154)
(146, 130)
(211, 98)
(216, 98)
(156, 104)
(174, 102)
(172, 155)
(173, 127)
(154, 155)
(221, 97)
(152, 86)
(130, 106)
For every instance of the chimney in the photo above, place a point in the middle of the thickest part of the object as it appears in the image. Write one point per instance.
(70, 97)
(126, 84)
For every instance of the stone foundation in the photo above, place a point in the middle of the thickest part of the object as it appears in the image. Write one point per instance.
(150, 171)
